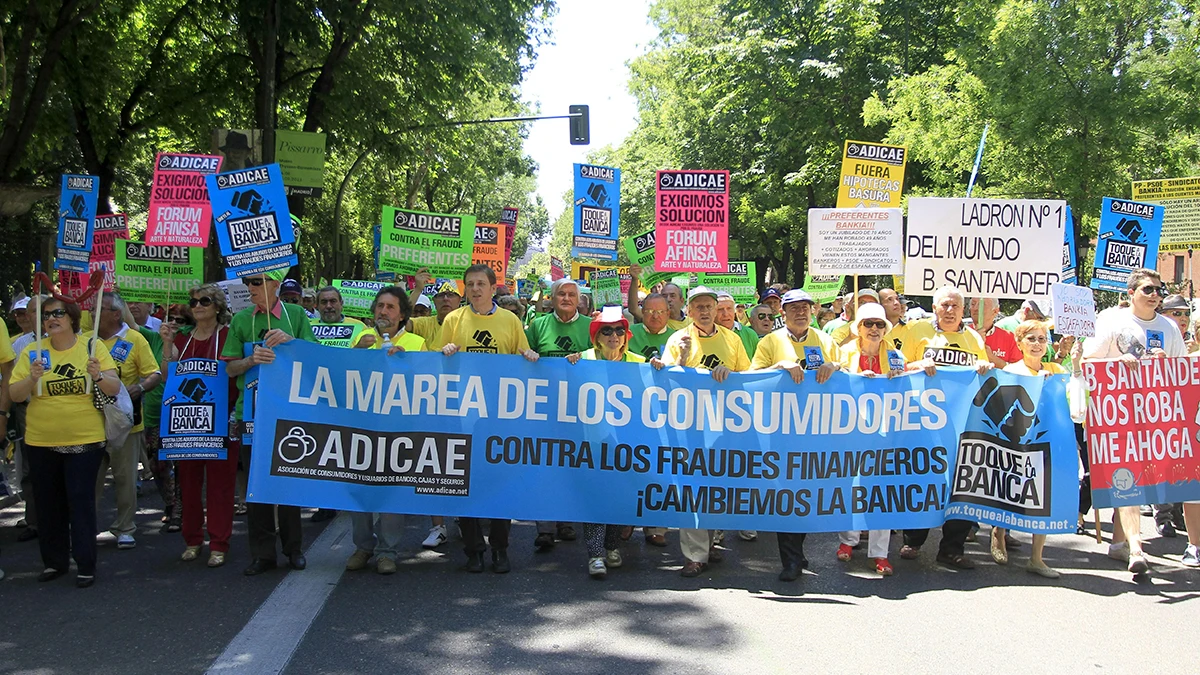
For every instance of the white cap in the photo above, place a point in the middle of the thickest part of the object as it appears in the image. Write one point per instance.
(424, 300)
(22, 303)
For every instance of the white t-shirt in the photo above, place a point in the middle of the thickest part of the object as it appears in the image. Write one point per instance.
(1120, 332)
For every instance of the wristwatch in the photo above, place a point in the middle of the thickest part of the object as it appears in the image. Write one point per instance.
(101, 378)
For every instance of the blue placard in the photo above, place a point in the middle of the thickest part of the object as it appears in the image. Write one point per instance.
(195, 410)
(45, 358)
(597, 212)
(120, 350)
(249, 396)
(422, 433)
(813, 358)
(254, 226)
(1128, 240)
(1069, 275)
(76, 221)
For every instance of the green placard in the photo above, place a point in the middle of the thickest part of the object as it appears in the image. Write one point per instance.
(159, 274)
(738, 281)
(301, 158)
(439, 242)
(606, 287)
(336, 334)
(823, 289)
(357, 296)
(683, 281)
(641, 252)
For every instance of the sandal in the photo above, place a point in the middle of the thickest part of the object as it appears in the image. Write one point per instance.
(909, 553)
(190, 553)
(883, 567)
(999, 551)
(239, 509)
(216, 558)
(956, 560)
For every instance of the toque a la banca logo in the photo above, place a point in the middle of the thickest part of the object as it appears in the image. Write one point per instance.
(486, 343)
(710, 361)
(564, 343)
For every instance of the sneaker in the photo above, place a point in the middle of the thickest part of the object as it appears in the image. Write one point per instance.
(1165, 529)
(596, 568)
(1138, 564)
(105, 537)
(126, 541)
(1191, 556)
(358, 560)
(613, 558)
(1119, 551)
(437, 537)
(845, 552)
(748, 535)
(385, 565)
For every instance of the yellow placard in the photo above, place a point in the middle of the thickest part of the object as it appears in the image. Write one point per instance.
(872, 175)
(1180, 199)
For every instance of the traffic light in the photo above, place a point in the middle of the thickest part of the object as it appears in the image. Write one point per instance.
(580, 128)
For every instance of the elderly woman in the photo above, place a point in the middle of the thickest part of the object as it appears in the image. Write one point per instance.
(610, 342)
(1033, 339)
(868, 355)
(216, 477)
(64, 436)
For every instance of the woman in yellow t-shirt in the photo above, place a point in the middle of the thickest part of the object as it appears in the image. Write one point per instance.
(610, 342)
(1033, 338)
(64, 436)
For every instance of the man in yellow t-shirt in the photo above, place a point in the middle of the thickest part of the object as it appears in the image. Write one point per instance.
(444, 302)
(797, 347)
(706, 345)
(482, 327)
(138, 371)
(944, 341)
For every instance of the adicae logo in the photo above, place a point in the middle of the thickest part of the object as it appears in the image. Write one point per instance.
(296, 446)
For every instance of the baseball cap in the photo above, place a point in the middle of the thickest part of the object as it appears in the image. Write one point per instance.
(769, 293)
(867, 293)
(291, 286)
(23, 303)
(424, 300)
(700, 291)
(797, 295)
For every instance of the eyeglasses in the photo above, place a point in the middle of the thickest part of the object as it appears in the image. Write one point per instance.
(177, 319)
(1036, 339)
(256, 281)
(203, 301)
(1160, 291)
(612, 330)
(872, 323)
(54, 314)
(654, 312)
(1177, 313)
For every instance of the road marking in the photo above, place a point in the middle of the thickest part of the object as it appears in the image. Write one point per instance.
(270, 638)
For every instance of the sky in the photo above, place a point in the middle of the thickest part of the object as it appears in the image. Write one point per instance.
(586, 64)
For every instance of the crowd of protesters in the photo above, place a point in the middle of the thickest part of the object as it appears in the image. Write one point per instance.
(52, 401)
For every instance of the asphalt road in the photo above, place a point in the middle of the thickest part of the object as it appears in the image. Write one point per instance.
(151, 613)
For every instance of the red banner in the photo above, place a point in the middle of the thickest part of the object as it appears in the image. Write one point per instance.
(556, 269)
(109, 228)
(1143, 427)
(180, 213)
(691, 221)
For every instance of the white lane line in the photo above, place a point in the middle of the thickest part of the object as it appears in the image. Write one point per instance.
(268, 641)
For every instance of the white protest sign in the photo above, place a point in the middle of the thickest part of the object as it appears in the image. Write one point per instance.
(999, 248)
(1074, 310)
(855, 241)
(237, 295)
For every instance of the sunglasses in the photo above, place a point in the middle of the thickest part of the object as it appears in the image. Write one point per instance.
(1160, 291)
(54, 314)
(253, 282)
(204, 301)
(872, 323)
(1177, 313)
(177, 319)
(762, 317)
(612, 330)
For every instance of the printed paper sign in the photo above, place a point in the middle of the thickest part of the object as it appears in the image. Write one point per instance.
(1074, 310)
(556, 269)
(195, 410)
(508, 218)
(855, 241)
(872, 175)
(740, 280)
(997, 248)
(824, 288)
(158, 274)
(691, 221)
(237, 295)
(180, 211)
(411, 240)
(301, 158)
(1180, 199)
(1127, 240)
(641, 252)
(1142, 430)
(597, 212)
(76, 216)
(357, 296)
(606, 287)
(489, 249)
(254, 227)
(108, 229)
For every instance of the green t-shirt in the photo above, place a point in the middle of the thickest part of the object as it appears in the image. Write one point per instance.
(649, 345)
(833, 323)
(550, 337)
(152, 400)
(249, 327)
(1009, 323)
(749, 340)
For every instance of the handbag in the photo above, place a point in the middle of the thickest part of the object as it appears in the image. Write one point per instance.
(117, 411)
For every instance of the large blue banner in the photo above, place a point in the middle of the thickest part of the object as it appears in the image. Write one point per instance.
(195, 410)
(254, 226)
(625, 444)
(76, 221)
(1127, 240)
(597, 212)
